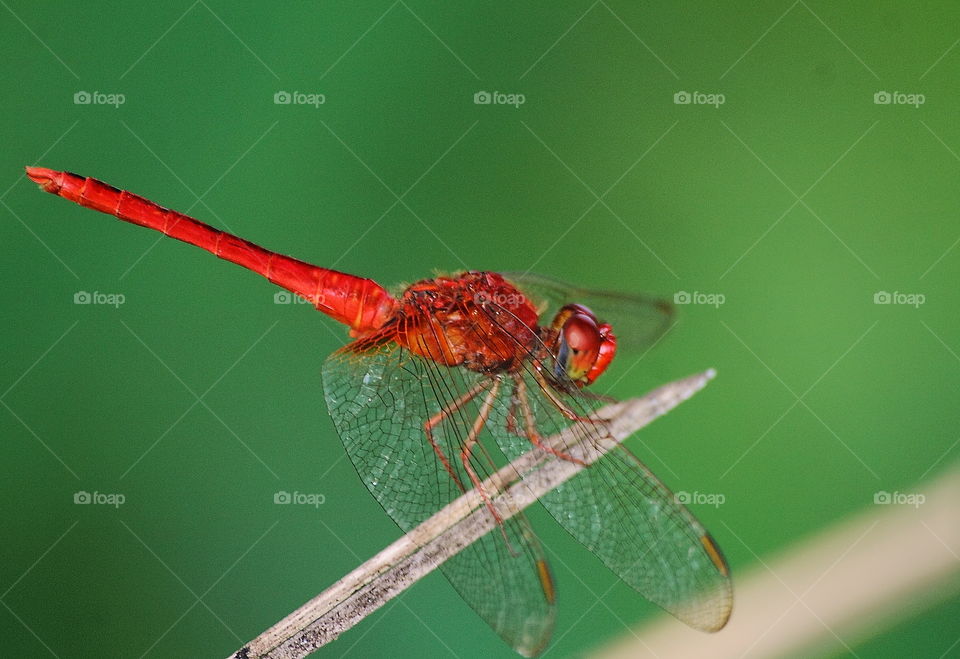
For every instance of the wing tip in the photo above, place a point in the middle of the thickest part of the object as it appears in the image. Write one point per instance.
(719, 615)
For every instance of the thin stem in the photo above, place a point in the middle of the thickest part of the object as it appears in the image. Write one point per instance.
(423, 549)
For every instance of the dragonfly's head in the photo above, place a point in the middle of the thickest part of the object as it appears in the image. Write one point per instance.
(584, 347)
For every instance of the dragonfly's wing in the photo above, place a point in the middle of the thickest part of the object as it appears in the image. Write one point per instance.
(620, 511)
(380, 396)
(637, 320)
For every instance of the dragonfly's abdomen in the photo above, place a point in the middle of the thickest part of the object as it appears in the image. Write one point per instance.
(476, 320)
(361, 304)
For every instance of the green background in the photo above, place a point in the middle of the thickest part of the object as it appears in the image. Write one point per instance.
(703, 198)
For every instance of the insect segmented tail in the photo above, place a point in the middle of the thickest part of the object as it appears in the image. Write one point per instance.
(359, 303)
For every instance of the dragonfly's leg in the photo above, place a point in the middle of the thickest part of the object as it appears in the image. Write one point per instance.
(512, 426)
(467, 451)
(531, 424)
(439, 417)
(560, 405)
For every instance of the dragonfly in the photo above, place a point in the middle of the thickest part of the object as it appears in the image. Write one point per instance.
(441, 371)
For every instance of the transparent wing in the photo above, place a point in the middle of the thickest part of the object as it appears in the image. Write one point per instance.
(380, 397)
(622, 513)
(616, 507)
(637, 320)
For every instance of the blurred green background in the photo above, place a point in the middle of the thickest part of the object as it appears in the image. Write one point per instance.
(797, 199)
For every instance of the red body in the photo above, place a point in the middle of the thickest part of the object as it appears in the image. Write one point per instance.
(477, 320)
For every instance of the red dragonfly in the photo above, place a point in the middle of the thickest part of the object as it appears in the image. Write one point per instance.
(451, 360)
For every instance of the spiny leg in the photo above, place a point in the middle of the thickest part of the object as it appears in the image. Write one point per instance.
(470, 442)
(512, 426)
(532, 435)
(443, 414)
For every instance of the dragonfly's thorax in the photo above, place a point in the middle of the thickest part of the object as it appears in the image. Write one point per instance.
(475, 319)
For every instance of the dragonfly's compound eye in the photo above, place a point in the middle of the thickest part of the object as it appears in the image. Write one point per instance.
(584, 347)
